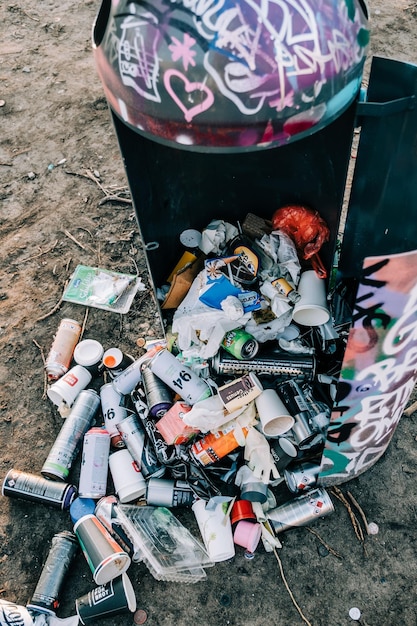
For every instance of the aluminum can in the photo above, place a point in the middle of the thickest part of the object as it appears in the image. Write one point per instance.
(301, 511)
(26, 486)
(125, 382)
(115, 361)
(295, 401)
(94, 464)
(158, 394)
(118, 526)
(214, 446)
(70, 437)
(59, 358)
(169, 493)
(45, 598)
(301, 477)
(179, 377)
(133, 437)
(240, 344)
(277, 364)
(113, 413)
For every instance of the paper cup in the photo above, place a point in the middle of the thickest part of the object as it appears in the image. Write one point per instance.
(311, 309)
(247, 535)
(216, 531)
(283, 452)
(273, 415)
(127, 477)
(66, 389)
(105, 558)
(114, 598)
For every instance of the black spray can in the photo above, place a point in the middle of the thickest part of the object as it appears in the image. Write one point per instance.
(276, 364)
(64, 547)
(295, 401)
(165, 453)
(26, 486)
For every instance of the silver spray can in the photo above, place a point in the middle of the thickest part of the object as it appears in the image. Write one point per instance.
(301, 511)
(133, 437)
(70, 437)
(45, 599)
(94, 464)
(180, 378)
(301, 477)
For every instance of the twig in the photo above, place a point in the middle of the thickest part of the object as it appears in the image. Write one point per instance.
(326, 545)
(68, 234)
(356, 526)
(84, 323)
(115, 199)
(281, 569)
(360, 510)
(54, 310)
(45, 375)
(410, 410)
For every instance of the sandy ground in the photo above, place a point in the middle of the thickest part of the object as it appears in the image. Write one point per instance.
(59, 167)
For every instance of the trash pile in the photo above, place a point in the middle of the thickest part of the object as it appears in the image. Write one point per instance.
(227, 415)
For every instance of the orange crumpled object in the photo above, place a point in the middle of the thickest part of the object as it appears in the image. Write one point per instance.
(305, 227)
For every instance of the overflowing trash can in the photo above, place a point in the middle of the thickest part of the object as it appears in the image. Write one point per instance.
(236, 126)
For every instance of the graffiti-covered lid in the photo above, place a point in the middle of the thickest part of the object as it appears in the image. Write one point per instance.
(217, 75)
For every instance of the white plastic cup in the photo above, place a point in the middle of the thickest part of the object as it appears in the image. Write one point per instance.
(127, 478)
(216, 531)
(273, 415)
(311, 309)
(66, 389)
(89, 354)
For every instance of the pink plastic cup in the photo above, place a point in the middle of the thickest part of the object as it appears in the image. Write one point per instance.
(247, 535)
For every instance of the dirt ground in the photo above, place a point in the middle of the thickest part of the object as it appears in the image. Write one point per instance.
(59, 166)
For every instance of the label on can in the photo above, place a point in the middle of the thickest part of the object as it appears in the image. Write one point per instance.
(94, 464)
(214, 446)
(240, 344)
(179, 377)
(34, 488)
(240, 392)
(113, 412)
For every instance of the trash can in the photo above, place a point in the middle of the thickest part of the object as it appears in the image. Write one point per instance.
(225, 110)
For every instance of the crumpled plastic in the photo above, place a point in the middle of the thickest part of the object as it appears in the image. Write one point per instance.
(200, 328)
(304, 225)
(210, 415)
(282, 250)
(11, 613)
(216, 235)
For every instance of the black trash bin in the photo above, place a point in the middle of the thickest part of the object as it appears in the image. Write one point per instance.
(223, 111)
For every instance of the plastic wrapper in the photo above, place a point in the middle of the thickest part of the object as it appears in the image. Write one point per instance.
(304, 225)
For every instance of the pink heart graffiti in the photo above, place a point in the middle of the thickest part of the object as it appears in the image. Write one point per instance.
(189, 87)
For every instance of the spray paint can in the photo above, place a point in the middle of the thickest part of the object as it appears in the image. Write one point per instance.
(105, 557)
(26, 486)
(125, 382)
(115, 361)
(169, 493)
(89, 354)
(240, 344)
(294, 399)
(108, 513)
(214, 446)
(133, 437)
(158, 394)
(302, 477)
(59, 358)
(113, 412)
(94, 464)
(45, 598)
(179, 377)
(277, 364)
(70, 437)
(301, 511)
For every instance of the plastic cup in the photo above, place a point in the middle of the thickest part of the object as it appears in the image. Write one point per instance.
(311, 309)
(273, 415)
(247, 535)
(113, 598)
(242, 510)
(127, 477)
(66, 389)
(216, 531)
(89, 354)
